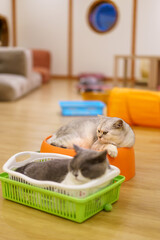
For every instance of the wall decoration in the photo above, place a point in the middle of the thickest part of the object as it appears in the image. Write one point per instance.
(102, 16)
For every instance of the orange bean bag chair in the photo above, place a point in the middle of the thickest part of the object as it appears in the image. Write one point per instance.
(125, 160)
(136, 107)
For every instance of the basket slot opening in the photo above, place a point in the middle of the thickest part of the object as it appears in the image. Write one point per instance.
(23, 157)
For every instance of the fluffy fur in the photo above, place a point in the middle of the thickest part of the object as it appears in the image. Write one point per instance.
(85, 166)
(98, 133)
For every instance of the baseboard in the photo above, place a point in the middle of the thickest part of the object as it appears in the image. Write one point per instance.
(64, 77)
(75, 77)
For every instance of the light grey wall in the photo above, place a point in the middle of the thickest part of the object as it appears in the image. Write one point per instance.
(95, 52)
(43, 24)
(148, 27)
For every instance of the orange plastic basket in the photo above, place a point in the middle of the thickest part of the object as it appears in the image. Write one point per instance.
(125, 160)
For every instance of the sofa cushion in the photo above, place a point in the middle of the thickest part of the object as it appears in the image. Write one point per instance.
(14, 86)
(13, 62)
(11, 86)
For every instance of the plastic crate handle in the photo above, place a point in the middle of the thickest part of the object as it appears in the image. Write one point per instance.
(12, 160)
(30, 156)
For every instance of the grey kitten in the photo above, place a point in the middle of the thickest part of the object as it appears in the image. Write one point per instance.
(82, 168)
(98, 133)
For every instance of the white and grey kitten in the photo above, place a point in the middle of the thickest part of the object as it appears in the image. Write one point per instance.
(98, 133)
(82, 168)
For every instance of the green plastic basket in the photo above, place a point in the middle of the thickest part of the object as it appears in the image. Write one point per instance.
(74, 209)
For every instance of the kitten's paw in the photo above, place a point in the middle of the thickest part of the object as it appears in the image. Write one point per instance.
(112, 150)
(112, 153)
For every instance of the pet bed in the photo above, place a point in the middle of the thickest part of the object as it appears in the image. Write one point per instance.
(76, 203)
(125, 160)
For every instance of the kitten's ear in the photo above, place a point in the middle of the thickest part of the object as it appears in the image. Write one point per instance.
(77, 148)
(102, 156)
(118, 124)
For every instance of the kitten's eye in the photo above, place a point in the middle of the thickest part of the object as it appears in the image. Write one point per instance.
(105, 133)
(84, 170)
(99, 131)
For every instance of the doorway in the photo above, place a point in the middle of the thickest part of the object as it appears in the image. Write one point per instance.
(4, 36)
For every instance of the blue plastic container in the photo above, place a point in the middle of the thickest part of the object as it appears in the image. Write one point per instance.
(81, 108)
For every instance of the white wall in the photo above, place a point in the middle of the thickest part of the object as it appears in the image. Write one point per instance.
(95, 52)
(147, 33)
(6, 10)
(148, 27)
(43, 24)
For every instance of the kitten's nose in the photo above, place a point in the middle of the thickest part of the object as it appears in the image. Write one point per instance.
(76, 174)
(100, 136)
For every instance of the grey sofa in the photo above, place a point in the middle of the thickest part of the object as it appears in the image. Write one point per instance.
(17, 77)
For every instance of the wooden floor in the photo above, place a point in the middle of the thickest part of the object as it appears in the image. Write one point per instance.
(136, 215)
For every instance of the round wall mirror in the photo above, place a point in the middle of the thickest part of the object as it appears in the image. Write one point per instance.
(102, 16)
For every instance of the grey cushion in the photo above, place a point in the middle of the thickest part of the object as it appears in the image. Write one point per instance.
(14, 86)
(13, 62)
(16, 75)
